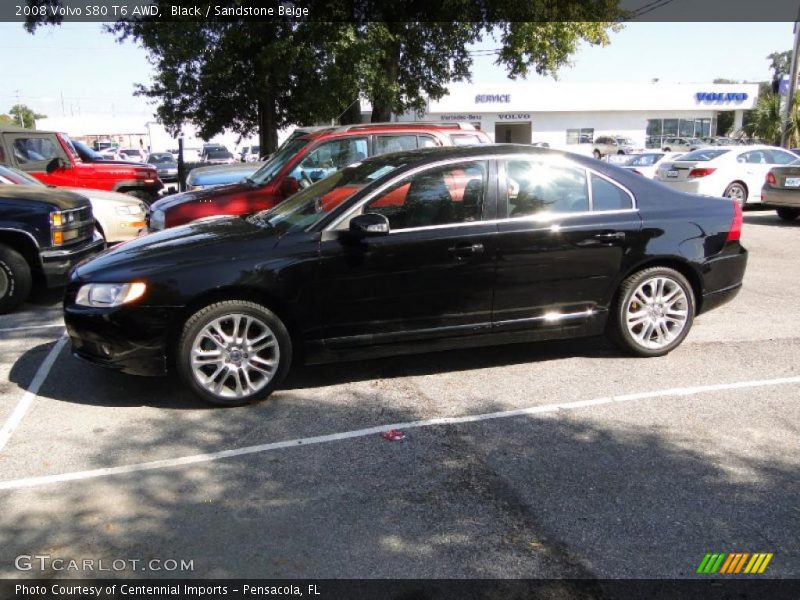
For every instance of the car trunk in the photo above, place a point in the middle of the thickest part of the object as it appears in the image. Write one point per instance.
(786, 177)
(679, 170)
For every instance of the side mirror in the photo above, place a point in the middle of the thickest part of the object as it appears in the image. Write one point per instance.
(369, 224)
(56, 164)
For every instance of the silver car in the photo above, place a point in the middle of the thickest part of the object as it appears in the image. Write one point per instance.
(682, 144)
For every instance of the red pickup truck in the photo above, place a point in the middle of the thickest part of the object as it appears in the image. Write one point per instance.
(51, 158)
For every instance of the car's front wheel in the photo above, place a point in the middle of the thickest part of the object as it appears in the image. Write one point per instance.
(234, 352)
(653, 312)
(15, 279)
(788, 214)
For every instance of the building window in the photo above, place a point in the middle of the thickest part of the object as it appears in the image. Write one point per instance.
(580, 136)
(659, 130)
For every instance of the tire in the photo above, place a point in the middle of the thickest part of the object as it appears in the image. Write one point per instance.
(597, 154)
(15, 279)
(233, 379)
(666, 333)
(667, 149)
(736, 191)
(788, 214)
(621, 152)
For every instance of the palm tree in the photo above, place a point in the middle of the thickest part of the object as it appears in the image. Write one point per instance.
(765, 120)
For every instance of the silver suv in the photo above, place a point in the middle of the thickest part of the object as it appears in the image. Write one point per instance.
(605, 145)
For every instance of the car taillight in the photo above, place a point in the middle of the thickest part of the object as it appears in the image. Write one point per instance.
(735, 232)
(700, 172)
(771, 179)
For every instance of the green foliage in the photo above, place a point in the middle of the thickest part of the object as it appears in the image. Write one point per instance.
(6, 120)
(765, 120)
(23, 116)
(780, 63)
(250, 75)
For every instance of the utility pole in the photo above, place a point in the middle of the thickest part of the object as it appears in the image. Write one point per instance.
(19, 110)
(792, 88)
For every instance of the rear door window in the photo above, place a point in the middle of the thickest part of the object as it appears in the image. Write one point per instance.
(462, 139)
(394, 143)
(607, 196)
(538, 187)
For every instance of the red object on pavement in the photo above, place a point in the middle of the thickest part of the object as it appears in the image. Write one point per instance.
(393, 435)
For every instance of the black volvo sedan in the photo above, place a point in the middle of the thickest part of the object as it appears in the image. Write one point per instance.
(424, 250)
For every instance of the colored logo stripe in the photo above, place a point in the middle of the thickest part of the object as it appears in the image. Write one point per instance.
(733, 563)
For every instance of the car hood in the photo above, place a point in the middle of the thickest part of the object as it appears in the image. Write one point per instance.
(104, 195)
(182, 245)
(60, 199)
(169, 202)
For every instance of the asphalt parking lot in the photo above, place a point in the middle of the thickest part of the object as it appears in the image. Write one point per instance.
(618, 467)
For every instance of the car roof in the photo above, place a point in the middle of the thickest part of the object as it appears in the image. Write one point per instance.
(398, 126)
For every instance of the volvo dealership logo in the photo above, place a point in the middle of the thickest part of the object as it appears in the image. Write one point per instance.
(514, 116)
(492, 98)
(708, 97)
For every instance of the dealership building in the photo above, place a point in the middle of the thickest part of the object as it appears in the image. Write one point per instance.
(565, 114)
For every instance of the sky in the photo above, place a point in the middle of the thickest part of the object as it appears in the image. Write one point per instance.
(79, 69)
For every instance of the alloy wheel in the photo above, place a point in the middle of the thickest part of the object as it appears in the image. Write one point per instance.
(234, 356)
(657, 312)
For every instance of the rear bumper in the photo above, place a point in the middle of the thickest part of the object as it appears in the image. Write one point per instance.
(780, 198)
(723, 277)
(56, 264)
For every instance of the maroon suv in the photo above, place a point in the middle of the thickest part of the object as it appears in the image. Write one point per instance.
(305, 160)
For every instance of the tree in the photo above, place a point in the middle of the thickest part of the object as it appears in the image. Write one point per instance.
(23, 116)
(780, 63)
(765, 119)
(250, 75)
(6, 120)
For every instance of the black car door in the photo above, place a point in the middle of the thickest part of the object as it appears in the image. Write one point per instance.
(431, 276)
(563, 237)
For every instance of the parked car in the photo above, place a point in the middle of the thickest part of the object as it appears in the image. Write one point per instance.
(682, 144)
(781, 191)
(132, 154)
(211, 148)
(302, 161)
(201, 178)
(647, 163)
(605, 145)
(218, 157)
(86, 154)
(406, 252)
(43, 233)
(47, 156)
(250, 153)
(736, 172)
(165, 166)
(118, 217)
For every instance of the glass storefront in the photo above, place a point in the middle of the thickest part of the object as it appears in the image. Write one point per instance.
(659, 129)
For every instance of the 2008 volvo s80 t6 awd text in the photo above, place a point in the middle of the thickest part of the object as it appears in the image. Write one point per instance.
(424, 250)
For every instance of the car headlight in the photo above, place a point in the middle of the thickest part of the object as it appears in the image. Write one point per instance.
(109, 294)
(157, 219)
(130, 210)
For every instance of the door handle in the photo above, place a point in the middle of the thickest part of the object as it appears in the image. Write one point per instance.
(466, 249)
(610, 236)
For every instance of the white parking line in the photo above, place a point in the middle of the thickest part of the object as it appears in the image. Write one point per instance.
(14, 484)
(38, 379)
(24, 327)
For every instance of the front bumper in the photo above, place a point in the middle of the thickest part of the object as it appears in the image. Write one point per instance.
(56, 264)
(133, 340)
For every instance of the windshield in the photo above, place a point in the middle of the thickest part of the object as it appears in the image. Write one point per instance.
(277, 162)
(704, 154)
(310, 205)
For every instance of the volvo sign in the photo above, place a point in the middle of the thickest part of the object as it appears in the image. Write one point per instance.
(709, 97)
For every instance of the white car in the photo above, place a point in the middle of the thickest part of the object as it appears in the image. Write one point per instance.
(647, 163)
(118, 217)
(736, 172)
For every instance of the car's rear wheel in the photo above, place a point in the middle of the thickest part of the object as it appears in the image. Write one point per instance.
(736, 191)
(653, 312)
(234, 352)
(15, 279)
(596, 154)
(788, 214)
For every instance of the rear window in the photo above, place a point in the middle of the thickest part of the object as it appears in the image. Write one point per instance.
(704, 154)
